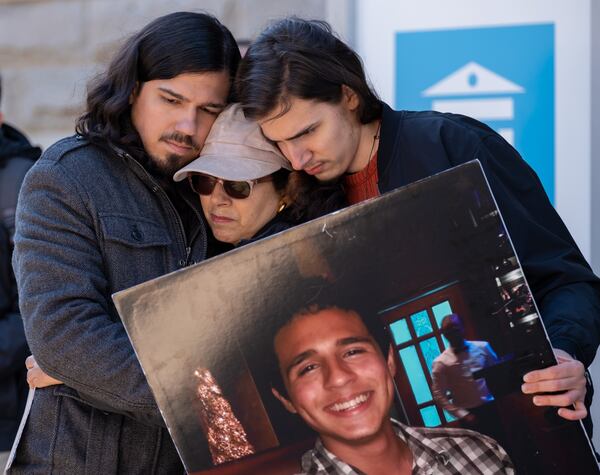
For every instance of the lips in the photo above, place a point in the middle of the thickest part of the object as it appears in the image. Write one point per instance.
(220, 219)
(178, 146)
(314, 169)
(349, 405)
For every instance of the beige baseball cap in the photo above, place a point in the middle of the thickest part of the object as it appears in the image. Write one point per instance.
(235, 149)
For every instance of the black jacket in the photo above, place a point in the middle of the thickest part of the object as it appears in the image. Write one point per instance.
(16, 157)
(415, 145)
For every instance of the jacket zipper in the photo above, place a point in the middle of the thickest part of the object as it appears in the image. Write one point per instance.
(157, 188)
(201, 226)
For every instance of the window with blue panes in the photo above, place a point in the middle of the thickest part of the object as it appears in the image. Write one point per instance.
(418, 341)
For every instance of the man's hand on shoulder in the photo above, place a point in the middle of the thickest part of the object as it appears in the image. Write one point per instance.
(566, 380)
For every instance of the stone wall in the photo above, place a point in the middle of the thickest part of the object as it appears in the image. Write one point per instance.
(49, 49)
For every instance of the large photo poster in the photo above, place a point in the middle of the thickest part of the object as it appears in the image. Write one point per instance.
(411, 309)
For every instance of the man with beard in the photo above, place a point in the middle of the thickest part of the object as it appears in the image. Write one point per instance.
(99, 213)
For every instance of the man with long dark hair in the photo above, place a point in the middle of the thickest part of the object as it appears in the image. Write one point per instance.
(309, 92)
(99, 213)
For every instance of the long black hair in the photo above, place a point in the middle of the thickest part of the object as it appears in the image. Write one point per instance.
(174, 44)
(303, 59)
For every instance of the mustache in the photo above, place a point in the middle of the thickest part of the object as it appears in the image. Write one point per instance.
(182, 139)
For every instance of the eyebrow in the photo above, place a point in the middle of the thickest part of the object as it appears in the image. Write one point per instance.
(341, 342)
(296, 135)
(173, 93)
(185, 99)
(299, 359)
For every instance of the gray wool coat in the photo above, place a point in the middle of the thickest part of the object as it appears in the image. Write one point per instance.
(91, 223)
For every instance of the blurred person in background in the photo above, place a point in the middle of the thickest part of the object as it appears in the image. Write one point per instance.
(17, 155)
(99, 213)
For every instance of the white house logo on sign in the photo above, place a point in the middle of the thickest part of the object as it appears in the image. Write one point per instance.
(502, 76)
(477, 92)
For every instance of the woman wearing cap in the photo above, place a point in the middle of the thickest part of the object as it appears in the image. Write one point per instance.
(246, 186)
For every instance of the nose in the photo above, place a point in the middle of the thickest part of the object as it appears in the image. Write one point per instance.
(187, 123)
(338, 374)
(218, 195)
(297, 155)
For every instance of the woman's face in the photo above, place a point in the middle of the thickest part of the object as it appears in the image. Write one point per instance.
(232, 220)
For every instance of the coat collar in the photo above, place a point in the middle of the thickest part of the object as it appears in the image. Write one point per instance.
(389, 142)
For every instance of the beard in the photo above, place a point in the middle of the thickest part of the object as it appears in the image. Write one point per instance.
(165, 168)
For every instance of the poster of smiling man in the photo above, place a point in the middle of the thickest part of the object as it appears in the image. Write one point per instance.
(395, 332)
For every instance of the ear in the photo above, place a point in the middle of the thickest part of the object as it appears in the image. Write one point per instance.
(391, 361)
(286, 403)
(350, 98)
(1, 118)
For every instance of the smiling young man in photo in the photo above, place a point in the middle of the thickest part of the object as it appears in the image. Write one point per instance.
(337, 379)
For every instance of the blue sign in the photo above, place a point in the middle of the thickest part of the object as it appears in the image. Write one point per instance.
(502, 76)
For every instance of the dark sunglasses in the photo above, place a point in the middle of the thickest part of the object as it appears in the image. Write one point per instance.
(205, 185)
